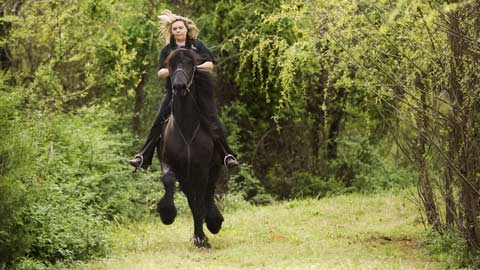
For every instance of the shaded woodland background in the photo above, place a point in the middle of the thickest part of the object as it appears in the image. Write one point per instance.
(319, 97)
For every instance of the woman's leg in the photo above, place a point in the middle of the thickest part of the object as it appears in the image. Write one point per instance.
(229, 157)
(145, 156)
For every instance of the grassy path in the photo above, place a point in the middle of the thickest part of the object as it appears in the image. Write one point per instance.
(345, 232)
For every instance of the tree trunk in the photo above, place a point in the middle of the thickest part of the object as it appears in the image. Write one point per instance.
(139, 99)
(463, 115)
(337, 117)
(450, 208)
(425, 188)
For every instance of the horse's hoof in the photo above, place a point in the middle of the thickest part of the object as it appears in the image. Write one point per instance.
(214, 221)
(200, 242)
(167, 211)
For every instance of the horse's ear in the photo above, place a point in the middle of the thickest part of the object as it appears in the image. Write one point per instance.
(169, 58)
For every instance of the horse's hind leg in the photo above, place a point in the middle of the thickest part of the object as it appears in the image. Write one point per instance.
(165, 206)
(213, 218)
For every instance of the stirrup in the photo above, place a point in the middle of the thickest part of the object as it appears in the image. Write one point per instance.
(141, 162)
(226, 158)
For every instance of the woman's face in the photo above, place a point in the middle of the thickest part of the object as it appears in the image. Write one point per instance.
(179, 31)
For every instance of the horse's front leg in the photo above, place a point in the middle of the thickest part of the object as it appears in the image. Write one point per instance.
(196, 201)
(166, 206)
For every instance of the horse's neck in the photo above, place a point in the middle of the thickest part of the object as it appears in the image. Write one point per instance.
(186, 115)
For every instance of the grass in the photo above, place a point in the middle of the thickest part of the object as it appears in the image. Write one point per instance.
(345, 232)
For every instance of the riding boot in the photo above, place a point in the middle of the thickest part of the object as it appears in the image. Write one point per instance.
(145, 157)
(229, 157)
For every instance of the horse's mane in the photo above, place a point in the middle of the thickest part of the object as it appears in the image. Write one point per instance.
(204, 85)
(204, 81)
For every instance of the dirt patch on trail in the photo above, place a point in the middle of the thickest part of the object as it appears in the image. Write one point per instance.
(406, 243)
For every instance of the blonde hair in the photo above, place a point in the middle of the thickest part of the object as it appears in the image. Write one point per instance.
(166, 20)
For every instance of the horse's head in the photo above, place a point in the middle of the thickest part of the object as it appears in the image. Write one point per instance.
(181, 66)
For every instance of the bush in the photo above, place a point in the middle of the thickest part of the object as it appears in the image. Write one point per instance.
(301, 184)
(13, 237)
(63, 178)
(249, 187)
(307, 185)
(62, 228)
(449, 248)
(15, 163)
(360, 166)
(27, 263)
(363, 166)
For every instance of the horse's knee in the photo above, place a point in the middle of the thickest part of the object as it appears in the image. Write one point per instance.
(168, 178)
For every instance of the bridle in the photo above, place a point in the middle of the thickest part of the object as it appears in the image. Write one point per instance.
(186, 75)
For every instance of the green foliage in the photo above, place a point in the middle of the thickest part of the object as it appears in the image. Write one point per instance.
(63, 176)
(249, 187)
(30, 264)
(301, 184)
(13, 240)
(62, 227)
(363, 167)
(13, 150)
(307, 90)
(56, 205)
(63, 63)
(449, 248)
(276, 60)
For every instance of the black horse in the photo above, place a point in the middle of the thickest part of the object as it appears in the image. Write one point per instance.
(188, 151)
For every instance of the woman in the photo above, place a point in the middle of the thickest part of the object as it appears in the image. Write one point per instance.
(181, 32)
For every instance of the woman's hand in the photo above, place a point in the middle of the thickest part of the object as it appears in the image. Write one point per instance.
(207, 66)
(163, 73)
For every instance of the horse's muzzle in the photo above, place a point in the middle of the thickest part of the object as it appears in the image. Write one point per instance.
(180, 89)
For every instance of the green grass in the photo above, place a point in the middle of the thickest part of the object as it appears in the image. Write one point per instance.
(345, 232)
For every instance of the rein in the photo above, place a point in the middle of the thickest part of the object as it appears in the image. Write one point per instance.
(188, 143)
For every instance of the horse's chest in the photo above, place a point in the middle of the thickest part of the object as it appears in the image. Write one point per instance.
(178, 151)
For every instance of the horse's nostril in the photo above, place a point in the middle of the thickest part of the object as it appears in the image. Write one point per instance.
(180, 88)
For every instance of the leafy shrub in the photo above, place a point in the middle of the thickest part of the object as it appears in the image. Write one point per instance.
(88, 162)
(63, 178)
(249, 187)
(27, 263)
(362, 166)
(307, 185)
(15, 162)
(13, 237)
(449, 248)
(62, 229)
(301, 184)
